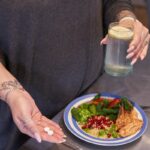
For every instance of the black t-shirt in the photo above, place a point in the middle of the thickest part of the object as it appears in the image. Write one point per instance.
(52, 48)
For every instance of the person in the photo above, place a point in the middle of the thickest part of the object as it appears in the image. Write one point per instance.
(50, 54)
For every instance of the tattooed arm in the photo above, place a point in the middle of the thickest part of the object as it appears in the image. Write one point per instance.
(24, 111)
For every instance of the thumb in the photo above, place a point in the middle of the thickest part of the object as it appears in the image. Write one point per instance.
(104, 40)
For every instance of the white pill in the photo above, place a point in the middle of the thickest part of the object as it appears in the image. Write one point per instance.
(46, 129)
(50, 132)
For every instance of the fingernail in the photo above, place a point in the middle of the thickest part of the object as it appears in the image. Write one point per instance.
(46, 129)
(142, 57)
(50, 132)
(129, 55)
(64, 136)
(131, 48)
(62, 141)
(37, 137)
(101, 43)
(133, 61)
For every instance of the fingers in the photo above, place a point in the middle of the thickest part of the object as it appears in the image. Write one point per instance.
(58, 135)
(137, 38)
(35, 129)
(27, 126)
(139, 45)
(144, 52)
(51, 122)
(32, 128)
(145, 49)
(104, 40)
(138, 42)
(43, 122)
(140, 52)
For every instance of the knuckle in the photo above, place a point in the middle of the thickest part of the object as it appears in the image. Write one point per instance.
(140, 23)
(136, 40)
(138, 49)
(146, 30)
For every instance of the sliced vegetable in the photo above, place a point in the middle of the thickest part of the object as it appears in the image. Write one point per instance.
(126, 104)
(102, 132)
(113, 128)
(113, 116)
(84, 106)
(97, 101)
(97, 96)
(105, 103)
(111, 132)
(99, 107)
(110, 111)
(86, 130)
(81, 115)
(92, 109)
(114, 102)
(75, 114)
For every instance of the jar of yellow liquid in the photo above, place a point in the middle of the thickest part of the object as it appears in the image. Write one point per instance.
(119, 38)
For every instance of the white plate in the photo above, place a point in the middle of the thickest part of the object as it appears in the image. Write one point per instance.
(73, 127)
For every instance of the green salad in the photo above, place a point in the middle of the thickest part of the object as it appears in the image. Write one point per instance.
(98, 116)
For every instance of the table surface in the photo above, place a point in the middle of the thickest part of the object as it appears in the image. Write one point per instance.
(73, 143)
(135, 86)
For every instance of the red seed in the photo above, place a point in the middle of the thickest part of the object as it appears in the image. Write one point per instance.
(108, 135)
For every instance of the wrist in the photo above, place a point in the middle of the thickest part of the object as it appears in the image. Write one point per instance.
(8, 87)
(126, 14)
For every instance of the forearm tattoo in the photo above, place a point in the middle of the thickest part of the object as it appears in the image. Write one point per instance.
(9, 86)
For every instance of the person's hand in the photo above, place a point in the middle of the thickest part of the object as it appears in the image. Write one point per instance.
(139, 45)
(29, 119)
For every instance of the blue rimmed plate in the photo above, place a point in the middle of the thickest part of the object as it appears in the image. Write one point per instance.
(73, 127)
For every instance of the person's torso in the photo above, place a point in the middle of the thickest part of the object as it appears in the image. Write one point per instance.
(52, 47)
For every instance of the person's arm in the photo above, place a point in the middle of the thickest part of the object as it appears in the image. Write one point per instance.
(25, 113)
(114, 10)
(122, 11)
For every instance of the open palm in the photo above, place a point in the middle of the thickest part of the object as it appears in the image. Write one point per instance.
(29, 119)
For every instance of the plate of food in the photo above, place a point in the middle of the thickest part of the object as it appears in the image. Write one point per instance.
(105, 119)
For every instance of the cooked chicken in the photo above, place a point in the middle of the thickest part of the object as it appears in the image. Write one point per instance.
(124, 118)
(127, 122)
(131, 128)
